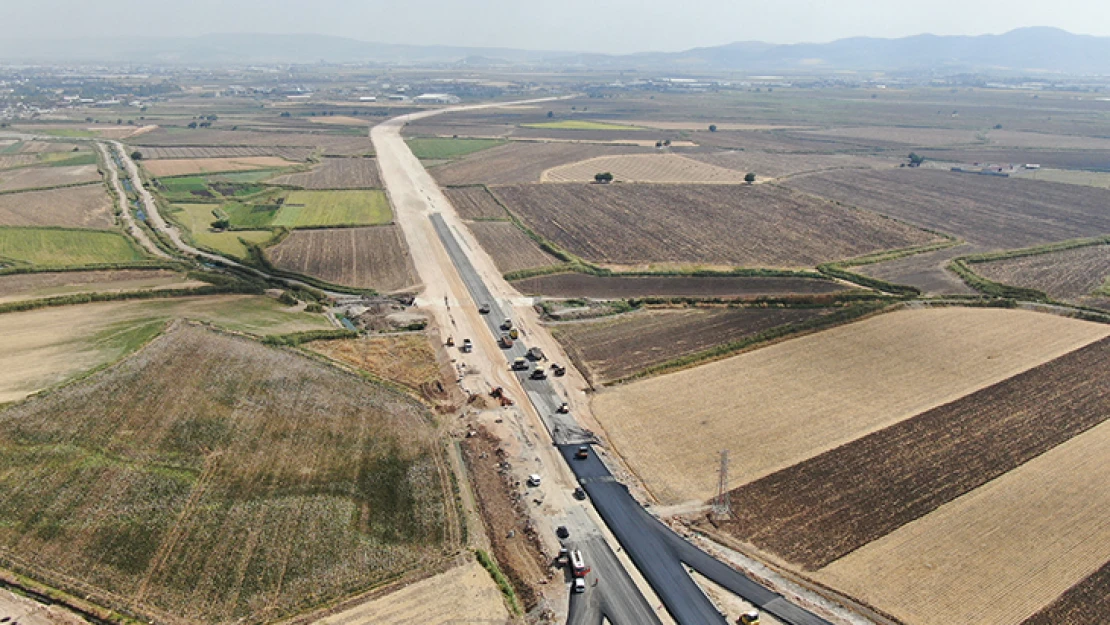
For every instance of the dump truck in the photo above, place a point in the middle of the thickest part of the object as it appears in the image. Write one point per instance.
(538, 374)
(505, 341)
(751, 617)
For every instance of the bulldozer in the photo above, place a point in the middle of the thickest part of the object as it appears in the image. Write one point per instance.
(498, 393)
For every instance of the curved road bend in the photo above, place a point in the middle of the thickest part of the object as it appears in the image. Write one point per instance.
(426, 217)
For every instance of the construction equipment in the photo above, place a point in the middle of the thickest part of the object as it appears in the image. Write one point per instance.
(751, 617)
(534, 480)
(538, 374)
(505, 341)
(558, 370)
(499, 394)
(563, 408)
(467, 346)
(535, 353)
(520, 364)
(450, 341)
(484, 309)
(514, 333)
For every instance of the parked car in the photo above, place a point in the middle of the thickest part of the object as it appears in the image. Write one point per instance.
(484, 309)
(579, 585)
(579, 494)
(533, 480)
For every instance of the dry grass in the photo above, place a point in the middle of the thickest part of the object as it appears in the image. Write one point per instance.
(1086, 603)
(746, 225)
(376, 257)
(335, 173)
(234, 483)
(407, 359)
(943, 137)
(802, 397)
(510, 248)
(27, 286)
(76, 207)
(45, 177)
(644, 168)
(519, 161)
(1000, 553)
(184, 167)
(331, 144)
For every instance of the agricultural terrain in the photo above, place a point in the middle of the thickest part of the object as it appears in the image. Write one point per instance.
(520, 162)
(46, 177)
(440, 148)
(87, 206)
(234, 483)
(407, 359)
(26, 286)
(48, 346)
(192, 166)
(576, 285)
(335, 173)
(319, 209)
(997, 213)
(752, 226)
(1069, 275)
(927, 272)
(510, 248)
(1083, 604)
(330, 144)
(474, 203)
(658, 168)
(616, 348)
(580, 124)
(776, 165)
(370, 258)
(197, 220)
(289, 154)
(799, 398)
(56, 247)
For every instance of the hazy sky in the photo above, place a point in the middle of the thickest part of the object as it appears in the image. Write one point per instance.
(588, 25)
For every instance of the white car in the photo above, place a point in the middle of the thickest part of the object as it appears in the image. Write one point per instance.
(579, 584)
(533, 480)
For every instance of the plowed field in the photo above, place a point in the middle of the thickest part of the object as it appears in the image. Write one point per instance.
(995, 212)
(474, 203)
(820, 510)
(928, 272)
(510, 248)
(619, 347)
(1086, 603)
(45, 177)
(330, 143)
(185, 167)
(371, 258)
(631, 287)
(335, 173)
(746, 225)
(290, 154)
(27, 286)
(519, 162)
(800, 398)
(77, 207)
(210, 479)
(644, 168)
(773, 165)
(998, 554)
(1066, 275)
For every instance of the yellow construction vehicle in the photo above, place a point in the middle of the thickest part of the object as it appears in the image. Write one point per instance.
(751, 617)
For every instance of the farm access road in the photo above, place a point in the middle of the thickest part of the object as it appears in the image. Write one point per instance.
(454, 268)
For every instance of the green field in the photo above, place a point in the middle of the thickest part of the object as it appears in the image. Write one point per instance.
(305, 209)
(56, 247)
(580, 124)
(78, 133)
(446, 148)
(68, 159)
(215, 187)
(197, 220)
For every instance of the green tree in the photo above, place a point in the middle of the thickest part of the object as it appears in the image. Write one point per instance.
(550, 114)
(136, 155)
(712, 127)
(749, 177)
(916, 159)
(603, 178)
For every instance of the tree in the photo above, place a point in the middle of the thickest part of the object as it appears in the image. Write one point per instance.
(603, 178)
(285, 114)
(288, 299)
(749, 177)
(712, 127)
(221, 224)
(550, 114)
(192, 124)
(136, 155)
(998, 126)
(916, 159)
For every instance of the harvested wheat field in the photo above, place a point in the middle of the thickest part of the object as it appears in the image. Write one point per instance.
(289, 154)
(670, 168)
(329, 143)
(464, 594)
(612, 349)
(1066, 275)
(998, 554)
(27, 286)
(234, 483)
(573, 285)
(190, 166)
(366, 258)
(45, 177)
(406, 359)
(335, 173)
(89, 206)
(739, 225)
(826, 507)
(510, 248)
(519, 161)
(48, 346)
(774, 165)
(474, 203)
(8, 161)
(799, 398)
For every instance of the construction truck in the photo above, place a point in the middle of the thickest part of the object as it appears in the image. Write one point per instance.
(520, 364)
(577, 564)
(558, 369)
(467, 346)
(505, 341)
(514, 333)
(751, 617)
(535, 353)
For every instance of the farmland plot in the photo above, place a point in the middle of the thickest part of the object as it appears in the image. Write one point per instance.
(45, 177)
(1098, 160)
(197, 220)
(998, 213)
(998, 554)
(407, 359)
(88, 206)
(927, 272)
(317, 209)
(824, 508)
(330, 143)
(368, 258)
(1086, 603)
(26, 286)
(8, 161)
(752, 226)
(474, 203)
(1065, 275)
(775, 165)
(446, 147)
(799, 398)
(943, 137)
(233, 483)
(510, 248)
(289, 154)
(191, 166)
(519, 162)
(632, 287)
(667, 168)
(51, 247)
(616, 348)
(335, 173)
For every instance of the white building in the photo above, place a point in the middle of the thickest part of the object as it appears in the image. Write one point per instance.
(437, 98)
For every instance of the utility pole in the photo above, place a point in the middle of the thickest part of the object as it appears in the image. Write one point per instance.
(722, 508)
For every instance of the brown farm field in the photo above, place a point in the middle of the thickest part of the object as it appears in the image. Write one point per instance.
(510, 248)
(26, 286)
(1065, 275)
(233, 483)
(1086, 603)
(999, 213)
(519, 161)
(1000, 553)
(372, 258)
(745, 225)
(774, 165)
(46, 177)
(474, 203)
(632, 287)
(945, 137)
(802, 397)
(824, 508)
(616, 348)
(189, 166)
(87, 206)
(658, 168)
(407, 359)
(335, 173)
(289, 154)
(927, 272)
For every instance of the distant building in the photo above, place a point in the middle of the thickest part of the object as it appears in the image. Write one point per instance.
(367, 98)
(437, 98)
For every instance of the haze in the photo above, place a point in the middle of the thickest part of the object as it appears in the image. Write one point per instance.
(613, 26)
